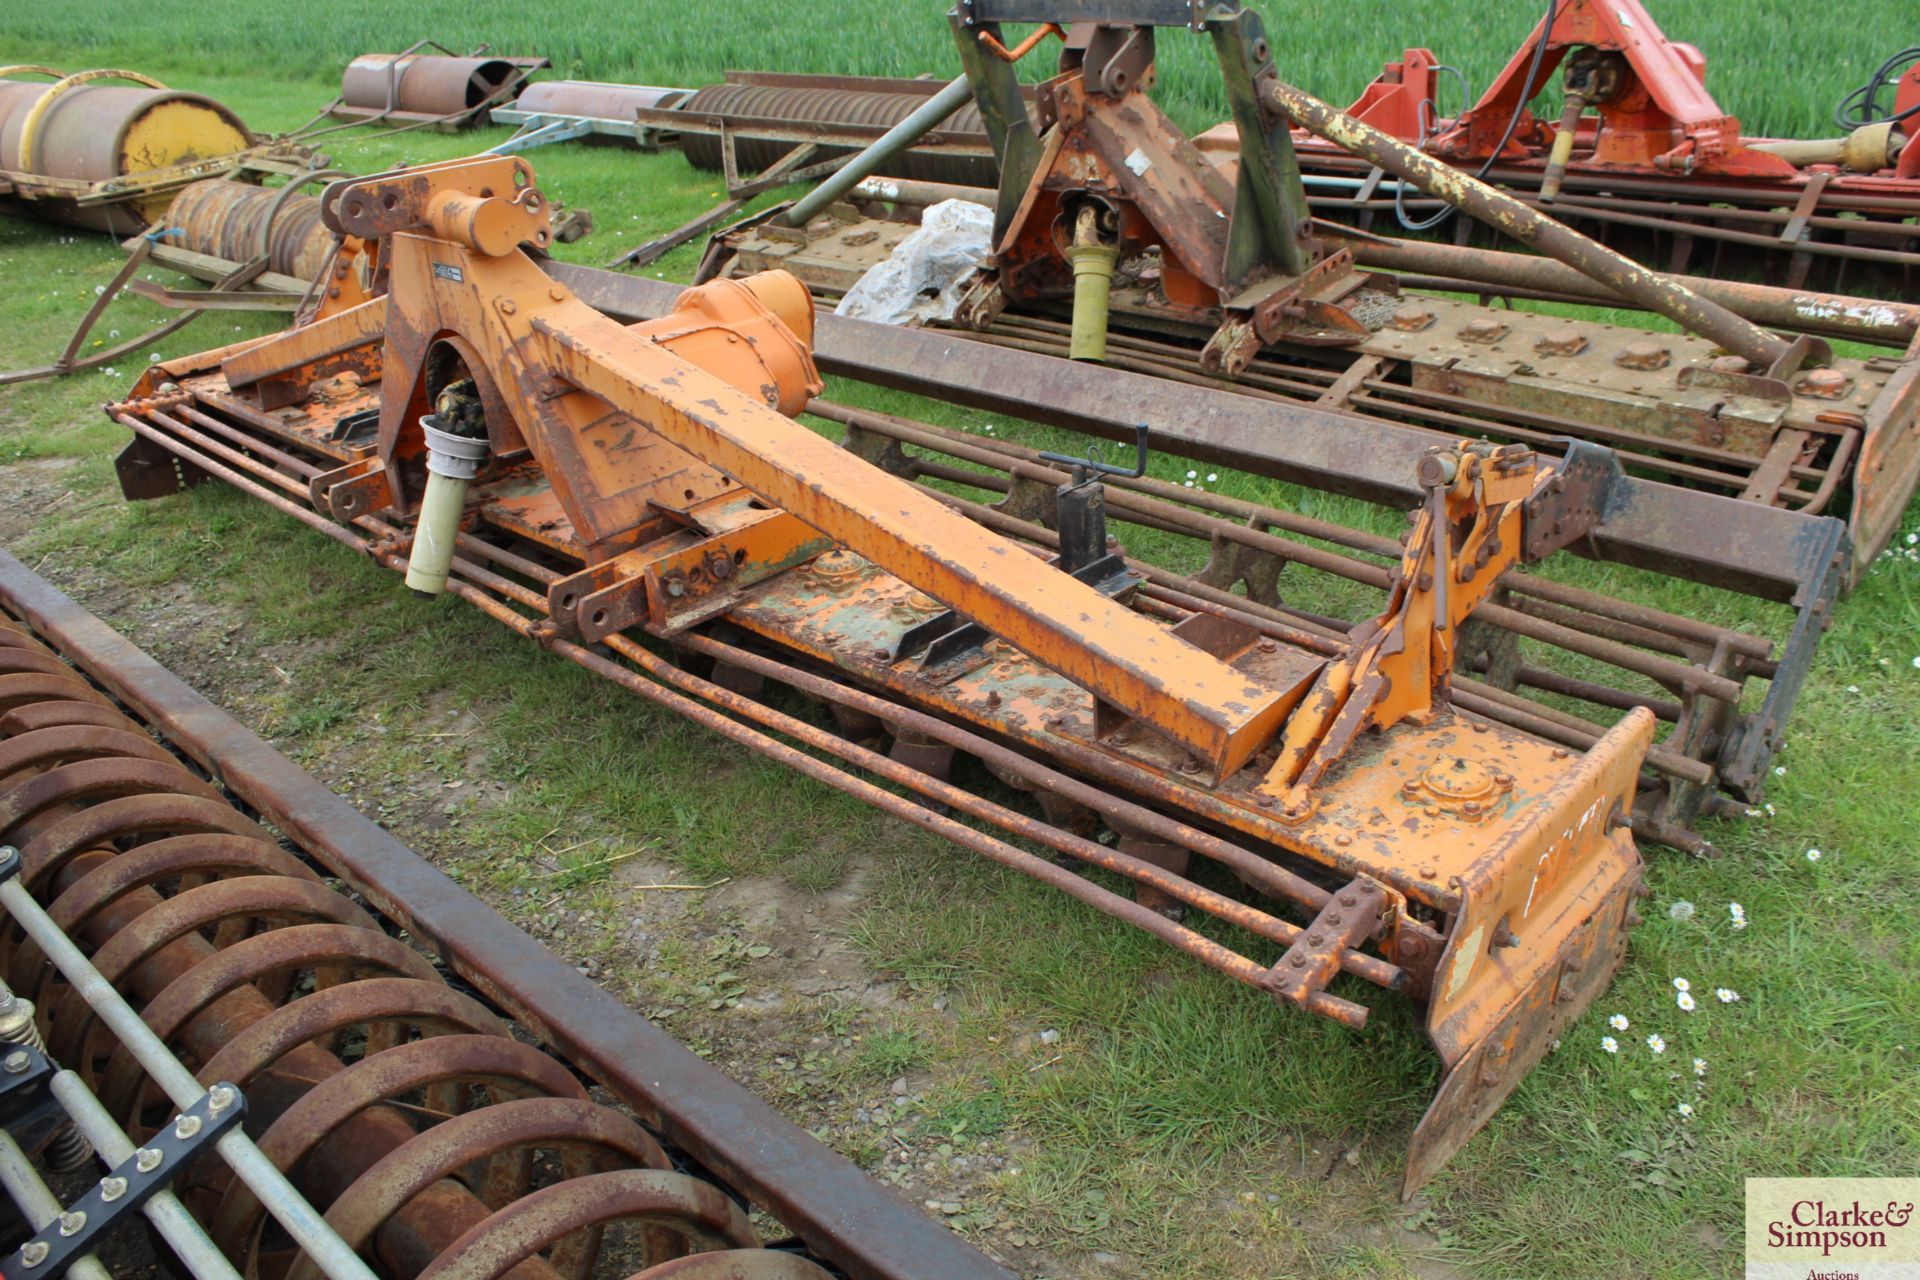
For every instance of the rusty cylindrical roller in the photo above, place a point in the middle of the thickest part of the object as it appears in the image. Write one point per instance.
(228, 220)
(85, 128)
(347, 1042)
(594, 99)
(832, 106)
(421, 84)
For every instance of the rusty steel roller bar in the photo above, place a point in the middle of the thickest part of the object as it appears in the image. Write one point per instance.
(235, 221)
(594, 99)
(1527, 224)
(100, 844)
(415, 85)
(828, 106)
(80, 134)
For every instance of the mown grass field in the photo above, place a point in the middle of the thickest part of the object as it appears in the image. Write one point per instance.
(1183, 1126)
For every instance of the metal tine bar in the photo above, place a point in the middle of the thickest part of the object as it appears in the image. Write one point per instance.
(1616, 651)
(188, 1240)
(288, 1207)
(38, 1205)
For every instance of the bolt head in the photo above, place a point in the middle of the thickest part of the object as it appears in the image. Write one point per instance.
(112, 1188)
(186, 1126)
(17, 1061)
(222, 1096)
(34, 1253)
(146, 1159)
(71, 1223)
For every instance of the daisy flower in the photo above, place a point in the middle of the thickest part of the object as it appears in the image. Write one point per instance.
(1726, 995)
(1609, 1044)
(1657, 1043)
(1681, 984)
(1686, 1110)
(1193, 475)
(1700, 1066)
(1618, 1022)
(1814, 855)
(1685, 1002)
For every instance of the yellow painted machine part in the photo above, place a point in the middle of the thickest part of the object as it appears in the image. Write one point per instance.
(172, 133)
(1092, 283)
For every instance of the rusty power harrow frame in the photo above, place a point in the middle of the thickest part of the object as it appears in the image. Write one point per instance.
(648, 477)
(392, 1089)
(1104, 205)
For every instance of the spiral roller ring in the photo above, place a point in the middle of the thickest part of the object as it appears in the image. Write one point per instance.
(439, 1146)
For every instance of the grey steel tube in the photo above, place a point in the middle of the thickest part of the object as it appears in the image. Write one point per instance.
(186, 1237)
(288, 1207)
(1504, 213)
(38, 1204)
(903, 135)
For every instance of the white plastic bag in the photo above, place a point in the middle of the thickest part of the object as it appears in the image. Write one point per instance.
(922, 278)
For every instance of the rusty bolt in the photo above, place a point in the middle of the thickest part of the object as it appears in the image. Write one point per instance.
(1411, 318)
(1269, 646)
(1299, 962)
(1343, 839)
(1410, 787)
(1644, 355)
(1823, 384)
(1729, 364)
(1427, 873)
(1479, 727)
(557, 294)
(1504, 936)
(1335, 919)
(1265, 802)
(1471, 807)
(1316, 940)
(1348, 899)
(1484, 329)
(1561, 342)
(508, 306)
(1560, 753)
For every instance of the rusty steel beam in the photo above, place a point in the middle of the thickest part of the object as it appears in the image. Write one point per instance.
(1768, 552)
(841, 1213)
(1838, 315)
(1526, 224)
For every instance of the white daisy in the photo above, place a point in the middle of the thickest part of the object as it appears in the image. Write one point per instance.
(1686, 1110)
(1657, 1043)
(1726, 995)
(1618, 1022)
(1609, 1044)
(1700, 1066)
(1814, 855)
(1681, 984)
(1685, 1002)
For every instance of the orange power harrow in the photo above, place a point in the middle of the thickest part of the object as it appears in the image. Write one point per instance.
(609, 490)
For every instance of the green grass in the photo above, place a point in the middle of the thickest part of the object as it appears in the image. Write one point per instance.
(1773, 68)
(1178, 1119)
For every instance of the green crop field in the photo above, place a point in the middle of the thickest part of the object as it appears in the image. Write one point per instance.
(1176, 1125)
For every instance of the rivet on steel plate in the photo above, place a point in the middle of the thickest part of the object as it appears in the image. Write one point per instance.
(186, 1126)
(146, 1159)
(72, 1223)
(35, 1253)
(221, 1096)
(112, 1188)
(1644, 356)
(18, 1061)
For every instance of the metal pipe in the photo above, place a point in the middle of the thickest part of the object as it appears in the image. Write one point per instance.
(1503, 212)
(895, 140)
(1868, 319)
(38, 1205)
(187, 1239)
(289, 1208)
